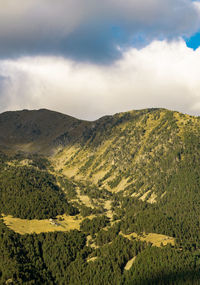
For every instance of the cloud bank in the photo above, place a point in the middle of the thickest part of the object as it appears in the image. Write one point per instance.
(91, 30)
(162, 74)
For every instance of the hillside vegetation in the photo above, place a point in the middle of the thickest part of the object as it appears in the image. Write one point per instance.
(28, 193)
(123, 194)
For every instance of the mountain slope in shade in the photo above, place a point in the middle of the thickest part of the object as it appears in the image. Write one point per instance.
(38, 131)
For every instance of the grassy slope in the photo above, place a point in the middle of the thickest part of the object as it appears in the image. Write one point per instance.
(131, 152)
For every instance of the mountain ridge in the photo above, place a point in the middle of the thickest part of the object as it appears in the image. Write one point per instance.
(35, 130)
(120, 152)
(40, 130)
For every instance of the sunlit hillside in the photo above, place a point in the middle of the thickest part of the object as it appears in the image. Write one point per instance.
(114, 201)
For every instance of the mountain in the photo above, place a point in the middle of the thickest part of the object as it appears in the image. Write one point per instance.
(114, 201)
(135, 152)
(38, 131)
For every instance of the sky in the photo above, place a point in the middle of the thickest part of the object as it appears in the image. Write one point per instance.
(89, 58)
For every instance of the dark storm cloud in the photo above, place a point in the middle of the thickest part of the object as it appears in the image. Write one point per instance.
(90, 29)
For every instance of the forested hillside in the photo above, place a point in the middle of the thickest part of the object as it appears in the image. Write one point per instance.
(118, 199)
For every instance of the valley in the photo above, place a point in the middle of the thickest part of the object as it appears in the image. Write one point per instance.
(114, 201)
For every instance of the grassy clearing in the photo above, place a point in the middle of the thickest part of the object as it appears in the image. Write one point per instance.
(108, 207)
(23, 226)
(85, 199)
(152, 198)
(156, 239)
(143, 197)
(130, 263)
(91, 243)
(97, 176)
(70, 172)
(92, 259)
(121, 186)
(24, 162)
(163, 195)
(136, 194)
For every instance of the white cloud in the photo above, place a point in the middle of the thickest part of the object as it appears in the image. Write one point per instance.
(162, 74)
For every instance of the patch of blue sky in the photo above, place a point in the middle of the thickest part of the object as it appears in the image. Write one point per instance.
(194, 41)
